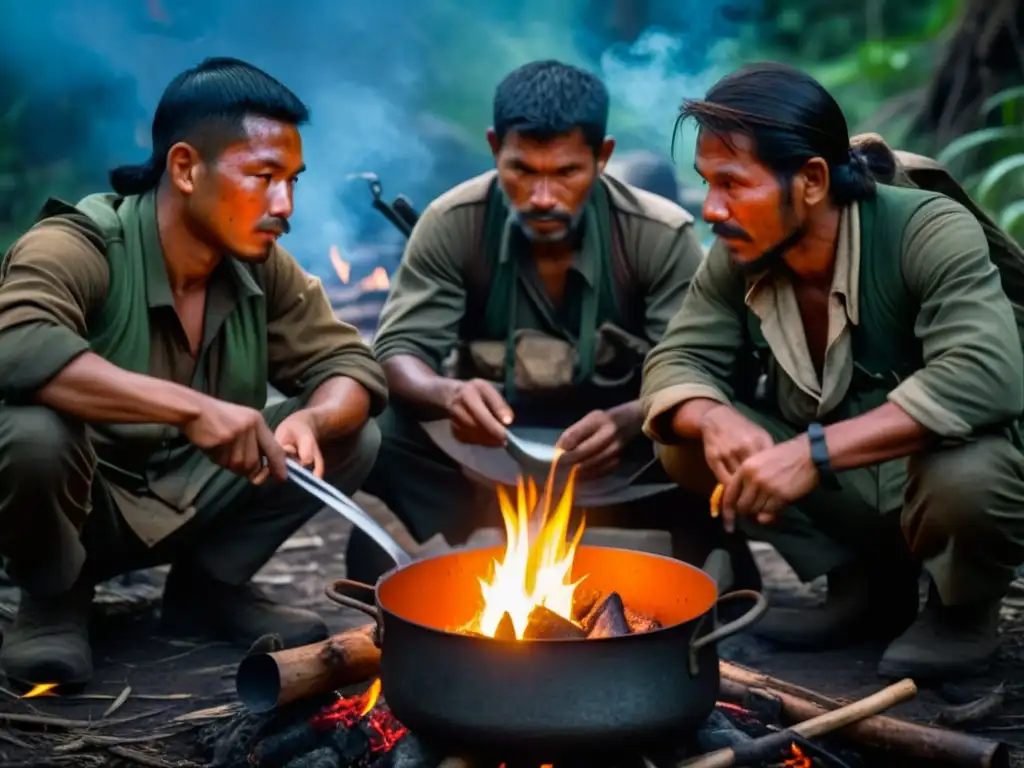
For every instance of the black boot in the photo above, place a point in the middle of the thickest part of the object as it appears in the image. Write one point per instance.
(197, 604)
(945, 642)
(49, 640)
(864, 602)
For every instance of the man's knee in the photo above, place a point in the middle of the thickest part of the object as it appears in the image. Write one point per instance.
(40, 448)
(348, 460)
(686, 466)
(963, 488)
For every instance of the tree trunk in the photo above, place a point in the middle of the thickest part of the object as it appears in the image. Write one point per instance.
(984, 55)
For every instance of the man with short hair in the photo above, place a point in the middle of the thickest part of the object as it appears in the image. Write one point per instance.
(138, 331)
(548, 282)
(847, 366)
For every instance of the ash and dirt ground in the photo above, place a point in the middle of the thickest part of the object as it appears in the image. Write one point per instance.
(173, 686)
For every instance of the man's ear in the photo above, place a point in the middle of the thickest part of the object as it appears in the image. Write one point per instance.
(605, 154)
(812, 182)
(492, 139)
(182, 163)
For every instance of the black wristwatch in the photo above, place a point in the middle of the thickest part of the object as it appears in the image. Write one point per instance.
(819, 455)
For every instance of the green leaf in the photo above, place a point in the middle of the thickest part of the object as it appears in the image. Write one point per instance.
(972, 141)
(996, 173)
(1011, 216)
(997, 100)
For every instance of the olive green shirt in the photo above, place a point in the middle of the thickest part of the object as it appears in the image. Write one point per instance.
(973, 373)
(428, 299)
(56, 276)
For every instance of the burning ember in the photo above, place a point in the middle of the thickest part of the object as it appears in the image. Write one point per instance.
(377, 280)
(42, 689)
(534, 573)
(799, 759)
(383, 730)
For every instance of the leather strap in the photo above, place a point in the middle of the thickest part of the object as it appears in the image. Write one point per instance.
(820, 457)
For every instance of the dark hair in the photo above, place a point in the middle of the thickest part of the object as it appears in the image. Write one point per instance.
(206, 106)
(791, 118)
(544, 99)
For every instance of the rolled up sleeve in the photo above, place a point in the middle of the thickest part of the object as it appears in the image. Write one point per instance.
(697, 355)
(52, 279)
(428, 294)
(973, 373)
(306, 343)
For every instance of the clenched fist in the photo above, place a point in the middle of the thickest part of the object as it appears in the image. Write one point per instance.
(237, 438)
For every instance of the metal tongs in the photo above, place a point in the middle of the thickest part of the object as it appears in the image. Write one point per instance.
(348, 509)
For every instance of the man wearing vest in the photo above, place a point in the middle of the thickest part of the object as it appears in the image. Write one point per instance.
(138, 332)
(548, 283)
(848, 367)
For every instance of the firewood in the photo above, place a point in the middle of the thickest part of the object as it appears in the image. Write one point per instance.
(506, 630)
(583, 602)
(608, 619)
(639, 622)
(545, 624)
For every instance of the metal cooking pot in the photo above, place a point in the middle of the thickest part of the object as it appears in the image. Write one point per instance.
(546, 698)
(541, 699)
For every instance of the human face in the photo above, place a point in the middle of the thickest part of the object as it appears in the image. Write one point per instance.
(747, 207)
(548, 182)
(244, 198)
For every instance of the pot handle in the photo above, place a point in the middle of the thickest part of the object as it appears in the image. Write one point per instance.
(738, 625)
(336, 592)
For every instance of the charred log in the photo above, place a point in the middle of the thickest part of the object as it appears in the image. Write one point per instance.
(545, 624)
(583, 602)
(639, 622)
(506, 629)
(608, 619)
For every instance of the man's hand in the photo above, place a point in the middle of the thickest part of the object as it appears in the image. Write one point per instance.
(479, 413)
(298, 436)
(594, 443)
(730, 438)
(237, 438)
(768, 481)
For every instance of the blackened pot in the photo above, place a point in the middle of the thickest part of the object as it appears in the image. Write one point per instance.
(546, 698)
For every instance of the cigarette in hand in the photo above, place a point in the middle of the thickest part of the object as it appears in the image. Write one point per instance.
(716, 500)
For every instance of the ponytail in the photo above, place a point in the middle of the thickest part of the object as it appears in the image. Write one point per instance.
(127, 180)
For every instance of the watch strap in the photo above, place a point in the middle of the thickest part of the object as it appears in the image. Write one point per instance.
(820, 457)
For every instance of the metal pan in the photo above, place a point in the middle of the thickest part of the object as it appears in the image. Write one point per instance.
(545, 699)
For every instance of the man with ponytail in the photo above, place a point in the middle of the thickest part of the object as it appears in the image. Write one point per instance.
(138, 333)
(847, 366)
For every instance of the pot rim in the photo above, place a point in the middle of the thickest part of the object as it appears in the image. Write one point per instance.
(378, 610)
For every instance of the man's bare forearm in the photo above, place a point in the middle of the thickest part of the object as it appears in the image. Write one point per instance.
(881, 434)
(686, 421)
(413, 382)
(93, 389)
(338, 407)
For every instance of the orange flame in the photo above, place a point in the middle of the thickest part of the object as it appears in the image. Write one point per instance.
(342, 267)
(377, 280)
(535, 570)
(799, 759)
(42, 689)
(370, 698)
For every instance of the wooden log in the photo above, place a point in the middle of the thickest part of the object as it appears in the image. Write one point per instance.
(505, 630)
(763, 749)
(265, 681)
(940, 746)
(608, 619)
(545, 624)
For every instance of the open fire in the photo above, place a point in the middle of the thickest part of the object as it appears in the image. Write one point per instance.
(377, 280)
(530, 593)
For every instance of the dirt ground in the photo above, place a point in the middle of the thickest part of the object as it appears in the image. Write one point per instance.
(151, 694)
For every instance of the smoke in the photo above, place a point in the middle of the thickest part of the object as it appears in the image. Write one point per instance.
(397, 87)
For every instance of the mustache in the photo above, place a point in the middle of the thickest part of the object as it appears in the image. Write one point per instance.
(558, 216)
(274, 225)
(729, 232)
